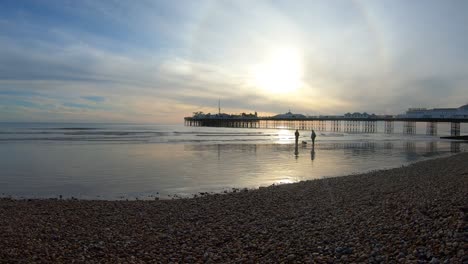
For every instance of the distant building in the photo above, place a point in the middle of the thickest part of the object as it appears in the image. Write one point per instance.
(289, 115)
(249, 115)
(359, 115)
(201, 115)
(461, 112)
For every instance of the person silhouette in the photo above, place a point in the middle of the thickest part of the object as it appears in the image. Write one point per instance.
(313, 136)
(296, 152)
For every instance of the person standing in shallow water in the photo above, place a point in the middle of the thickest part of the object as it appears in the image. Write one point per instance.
(296, 152)
(313, 136)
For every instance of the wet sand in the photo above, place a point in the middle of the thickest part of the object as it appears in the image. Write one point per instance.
(410, 214)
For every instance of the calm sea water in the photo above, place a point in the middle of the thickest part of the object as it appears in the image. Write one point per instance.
(122, 161)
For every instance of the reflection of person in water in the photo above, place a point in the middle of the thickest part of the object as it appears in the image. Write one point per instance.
(312, 154)
(313, 136)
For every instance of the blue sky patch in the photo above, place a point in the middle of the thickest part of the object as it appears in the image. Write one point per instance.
(96, 99)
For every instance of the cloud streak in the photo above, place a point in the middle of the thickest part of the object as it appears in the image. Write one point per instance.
(159, 61)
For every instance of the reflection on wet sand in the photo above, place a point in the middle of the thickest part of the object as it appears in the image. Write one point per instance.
(455, 147)
(312, 154)
(244, 148)
(411, 149)
(135, 160)
(388, 145)
(186, 169)
(431, 146)
(410, 146)
(296, 150)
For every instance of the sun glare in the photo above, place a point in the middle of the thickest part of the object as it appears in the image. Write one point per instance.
(281, 72)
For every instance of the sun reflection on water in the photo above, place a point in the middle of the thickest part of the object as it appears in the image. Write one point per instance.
(284, 136)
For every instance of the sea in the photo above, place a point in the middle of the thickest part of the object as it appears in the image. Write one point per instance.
(151, 161)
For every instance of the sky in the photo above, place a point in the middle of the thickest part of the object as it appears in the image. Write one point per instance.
(158, 61)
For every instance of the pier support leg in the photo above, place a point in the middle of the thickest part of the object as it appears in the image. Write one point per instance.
(335, 126)
(455, 129)
(369, 126)
(374, 126)
(409, 127)
(349, 126)
(353, 126)
(389, 127)
(356, 126)
(365, 127)
(431, 128)
(322, 125)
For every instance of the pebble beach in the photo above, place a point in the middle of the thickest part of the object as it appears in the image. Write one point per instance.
(413, 214)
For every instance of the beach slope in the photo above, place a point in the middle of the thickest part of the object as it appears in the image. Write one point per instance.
(410, 214)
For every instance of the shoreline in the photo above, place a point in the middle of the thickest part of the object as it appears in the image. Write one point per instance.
(417, 212)
(174, 196)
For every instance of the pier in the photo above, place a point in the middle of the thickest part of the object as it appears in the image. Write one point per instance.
(329, 123)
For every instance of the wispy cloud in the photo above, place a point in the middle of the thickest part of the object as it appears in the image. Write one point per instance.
(158, 61)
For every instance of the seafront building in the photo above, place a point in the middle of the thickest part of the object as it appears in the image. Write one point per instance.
(289, 115)
(460, 112)
(201, 115)
(359, 115)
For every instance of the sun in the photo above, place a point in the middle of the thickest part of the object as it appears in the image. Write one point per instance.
(280, 73)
